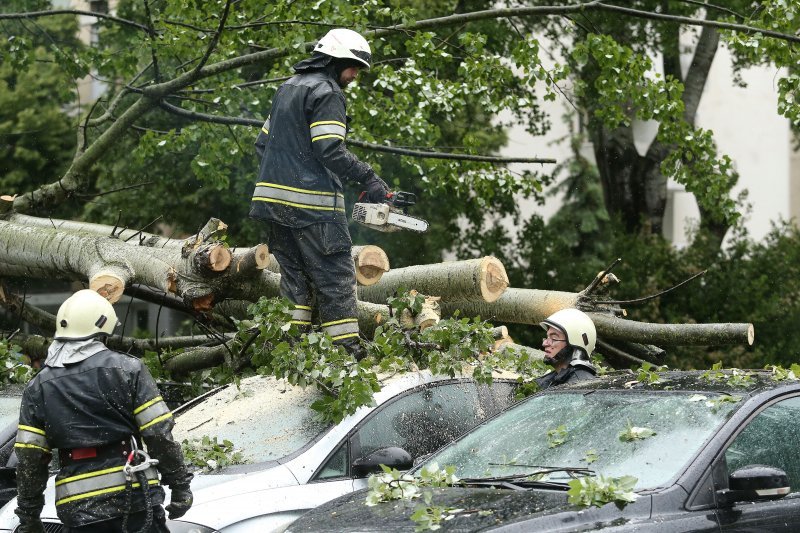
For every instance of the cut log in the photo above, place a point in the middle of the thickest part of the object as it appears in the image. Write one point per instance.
(213, 257)
(483, 279)
(371, 264)
(428, 316)
(250, 259)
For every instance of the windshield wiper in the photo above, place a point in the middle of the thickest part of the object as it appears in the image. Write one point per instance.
(529, 479)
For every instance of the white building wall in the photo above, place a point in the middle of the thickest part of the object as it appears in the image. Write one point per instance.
(746, 127)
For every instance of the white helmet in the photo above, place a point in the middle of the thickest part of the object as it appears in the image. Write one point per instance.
(577, 327)
(345, 44)
(84, 315)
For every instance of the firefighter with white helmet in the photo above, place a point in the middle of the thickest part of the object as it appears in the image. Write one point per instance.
(300, 187)
(96, 407)
(570, 340)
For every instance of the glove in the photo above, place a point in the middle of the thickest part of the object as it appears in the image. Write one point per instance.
(179, 503)
(377, 190)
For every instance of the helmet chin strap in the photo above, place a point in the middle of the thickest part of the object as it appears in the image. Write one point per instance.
(563, 356)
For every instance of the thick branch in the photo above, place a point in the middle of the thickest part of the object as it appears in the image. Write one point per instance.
(424, 154)
(38, 14)
(673, 334)
(698, 72)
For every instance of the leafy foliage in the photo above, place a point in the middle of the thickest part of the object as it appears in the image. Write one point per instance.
(600, 490)
(309, 359)
(13, 363)
(557, 436)
(209, 454)
(733, 376)
(395, 485)
(633, 433)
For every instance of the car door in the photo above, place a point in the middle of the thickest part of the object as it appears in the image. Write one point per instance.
(770, 438)
(424, 419)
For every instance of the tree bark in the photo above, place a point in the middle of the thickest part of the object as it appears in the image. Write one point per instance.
(483, 279)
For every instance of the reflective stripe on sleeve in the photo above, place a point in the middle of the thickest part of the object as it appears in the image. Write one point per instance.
(301, 198)
(327, 129)
(341, 329)
(265, 127)
(31, 437)
(151, 412)
(301, 315)
(97, 483)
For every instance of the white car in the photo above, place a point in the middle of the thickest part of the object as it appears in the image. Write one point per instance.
(293, 462)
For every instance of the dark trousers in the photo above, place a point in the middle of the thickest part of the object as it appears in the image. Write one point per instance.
(315, 261)
(135, 522)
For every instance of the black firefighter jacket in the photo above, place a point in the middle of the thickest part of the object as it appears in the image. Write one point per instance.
(303, 155)
(94, 404)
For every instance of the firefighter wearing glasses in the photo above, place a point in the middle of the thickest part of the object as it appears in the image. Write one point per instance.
(570, 340)
(300, 193)
(95, 407)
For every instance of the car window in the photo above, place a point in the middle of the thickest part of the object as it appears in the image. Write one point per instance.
(426, 419)
(586, 430)
(336, 466)
(771, 438)
(264, 418)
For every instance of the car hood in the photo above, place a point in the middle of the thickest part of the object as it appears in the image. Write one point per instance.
(482, 508)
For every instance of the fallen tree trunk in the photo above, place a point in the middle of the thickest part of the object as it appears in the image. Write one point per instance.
(371, 262)
(110, 264)
(484, 279)
(515, 306)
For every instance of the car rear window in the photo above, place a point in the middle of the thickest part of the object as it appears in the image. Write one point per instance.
(264, 418)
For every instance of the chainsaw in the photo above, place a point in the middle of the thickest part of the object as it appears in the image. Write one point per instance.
(391, 215)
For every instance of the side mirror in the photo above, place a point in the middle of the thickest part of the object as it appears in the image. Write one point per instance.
(754, 483)
(392, 456)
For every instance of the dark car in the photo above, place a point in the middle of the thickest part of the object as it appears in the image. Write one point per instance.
(711, 451)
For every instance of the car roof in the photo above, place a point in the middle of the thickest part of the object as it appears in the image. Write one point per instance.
(730, 381)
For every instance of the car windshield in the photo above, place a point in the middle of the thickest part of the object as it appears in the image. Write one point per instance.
(264, 418)
(649, 435)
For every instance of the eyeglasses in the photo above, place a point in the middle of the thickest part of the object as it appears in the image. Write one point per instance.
(553, 340)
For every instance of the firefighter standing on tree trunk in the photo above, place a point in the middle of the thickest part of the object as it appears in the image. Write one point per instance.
(97, 407)
(304, 163)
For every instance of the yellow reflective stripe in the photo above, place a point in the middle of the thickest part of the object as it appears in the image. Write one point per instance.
(331, 136)
(89, 474)
(265, 130)
(148, 404)
(345, 336)
(342, 321)
(155, 421)
(102, 491)
(306, 307)
(21, 445)
(302, 206)
(321, 122)
(32, 429)
(295, 189)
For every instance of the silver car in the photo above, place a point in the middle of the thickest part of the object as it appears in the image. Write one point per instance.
(293, 462)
